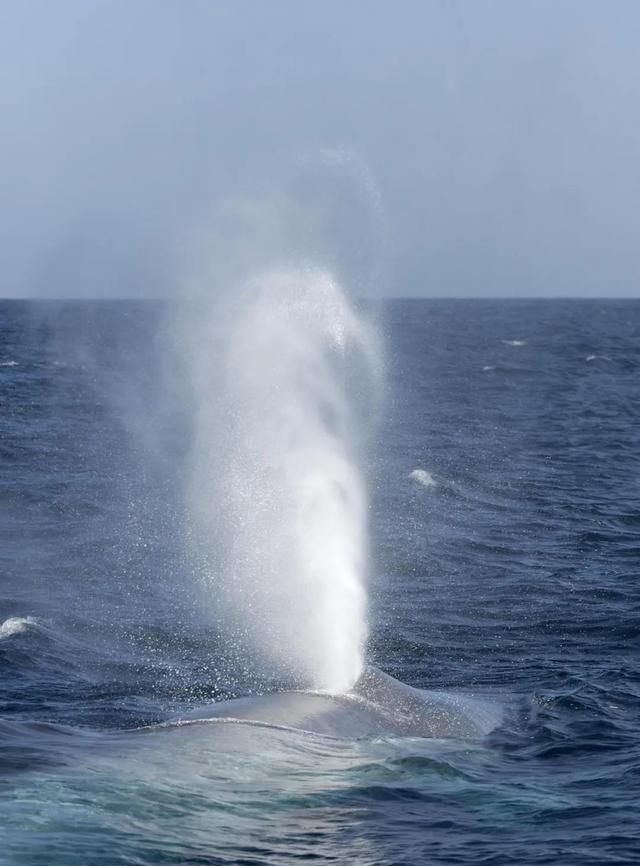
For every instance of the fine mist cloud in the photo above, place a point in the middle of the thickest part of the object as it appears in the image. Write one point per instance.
(503, 137)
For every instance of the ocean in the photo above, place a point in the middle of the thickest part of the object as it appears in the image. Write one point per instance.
(504, 521)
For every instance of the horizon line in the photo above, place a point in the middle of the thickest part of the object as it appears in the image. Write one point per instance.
(159, 298)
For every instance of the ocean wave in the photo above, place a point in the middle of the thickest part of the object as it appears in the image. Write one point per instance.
(16, 625)
(514, 342)
(423, 478)
(8, 363)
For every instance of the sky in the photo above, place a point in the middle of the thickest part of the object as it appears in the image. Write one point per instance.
(501, 137)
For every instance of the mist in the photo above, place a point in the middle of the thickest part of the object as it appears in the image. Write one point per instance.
(502, 137)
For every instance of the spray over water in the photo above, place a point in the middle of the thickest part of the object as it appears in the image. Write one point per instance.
(284, 372)
(277, 489)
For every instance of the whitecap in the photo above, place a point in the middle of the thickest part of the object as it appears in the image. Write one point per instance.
(8, 363)
(423, 478)
(487, 367)
(514, 342)
(15, 625)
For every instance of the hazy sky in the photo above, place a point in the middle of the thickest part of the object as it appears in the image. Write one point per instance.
(503, 135)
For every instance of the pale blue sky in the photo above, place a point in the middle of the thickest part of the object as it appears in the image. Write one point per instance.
(504, 135)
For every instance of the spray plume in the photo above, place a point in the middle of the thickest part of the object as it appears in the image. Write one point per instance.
(283, 371)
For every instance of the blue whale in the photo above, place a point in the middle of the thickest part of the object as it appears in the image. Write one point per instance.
(378, 705)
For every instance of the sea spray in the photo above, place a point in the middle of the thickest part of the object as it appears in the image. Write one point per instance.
(285, 378)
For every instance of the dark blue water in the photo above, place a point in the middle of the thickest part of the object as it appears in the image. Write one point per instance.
(510, 572)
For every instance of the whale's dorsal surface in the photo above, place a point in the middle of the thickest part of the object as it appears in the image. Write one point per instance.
(414, 712)
(378, 705)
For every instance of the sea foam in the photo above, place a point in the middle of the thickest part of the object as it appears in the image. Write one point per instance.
(15, 625)
(423, 478)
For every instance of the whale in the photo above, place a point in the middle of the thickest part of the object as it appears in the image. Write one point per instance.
(377, 706)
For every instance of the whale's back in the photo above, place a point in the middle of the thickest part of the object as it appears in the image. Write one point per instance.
(378, 705)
